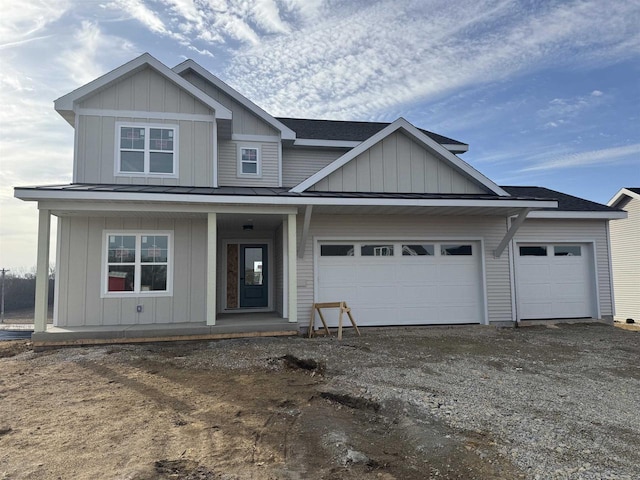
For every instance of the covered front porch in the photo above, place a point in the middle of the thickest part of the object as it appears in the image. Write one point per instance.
(206, 290)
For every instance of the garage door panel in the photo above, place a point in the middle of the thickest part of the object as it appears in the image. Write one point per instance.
(375, 274)
(536, 310)
(419, 295)
(338, 275)
(332, 294)
(453, 274)
(377, 295)
(404, 290)
(417, 273)
(531, 272)
(458, 293)
(555, 286)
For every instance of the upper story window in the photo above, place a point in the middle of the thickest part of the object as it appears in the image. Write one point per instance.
(147, 150)
(249, 162)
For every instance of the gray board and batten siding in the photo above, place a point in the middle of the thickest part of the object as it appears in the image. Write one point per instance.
(78, 293)
(398, 164)
(145, 91)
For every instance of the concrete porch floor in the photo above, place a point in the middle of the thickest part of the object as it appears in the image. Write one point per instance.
(228, 325)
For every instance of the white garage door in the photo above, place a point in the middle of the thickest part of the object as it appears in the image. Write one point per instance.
(402, 283)
(554, 281)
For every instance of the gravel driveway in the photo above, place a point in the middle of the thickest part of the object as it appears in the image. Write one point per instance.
(461, 402)
(559, 401)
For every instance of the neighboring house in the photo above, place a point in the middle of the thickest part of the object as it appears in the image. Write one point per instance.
(189, 203)
(625, 255)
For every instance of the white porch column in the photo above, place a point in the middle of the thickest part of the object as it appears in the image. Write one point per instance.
(212, 249)
(42, 272)
(293, 268)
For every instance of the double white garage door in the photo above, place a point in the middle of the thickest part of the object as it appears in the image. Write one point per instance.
(403, 283)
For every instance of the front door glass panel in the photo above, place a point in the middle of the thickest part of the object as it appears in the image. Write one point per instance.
(254, 289)
(253, 266)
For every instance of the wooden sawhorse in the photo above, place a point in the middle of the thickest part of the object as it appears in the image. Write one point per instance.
(343, 309)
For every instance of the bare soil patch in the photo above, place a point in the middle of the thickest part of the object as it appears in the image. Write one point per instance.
(457, 403)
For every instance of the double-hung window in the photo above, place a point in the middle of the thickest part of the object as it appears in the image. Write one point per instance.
(249, 162)
(137, 263)
(147, 149)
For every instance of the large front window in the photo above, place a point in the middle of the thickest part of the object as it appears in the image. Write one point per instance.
(147, 149)
(137, 263)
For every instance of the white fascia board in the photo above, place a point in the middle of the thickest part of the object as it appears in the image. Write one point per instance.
(311, 142)
(67, 102)
(28, 194)
(622, 193)
(578, 215)
(285, 132)
(427, 141)
(453, 147)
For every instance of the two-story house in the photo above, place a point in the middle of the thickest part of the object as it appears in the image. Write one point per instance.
(193, 212)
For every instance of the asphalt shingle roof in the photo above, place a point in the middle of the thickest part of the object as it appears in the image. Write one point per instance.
(566, 202)
(347, 130)
(634, 189)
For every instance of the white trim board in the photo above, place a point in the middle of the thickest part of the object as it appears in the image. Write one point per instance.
(33, 194)
(459, 164)
(621, 193)
(133, 114)
(313, 142)
(577, 215)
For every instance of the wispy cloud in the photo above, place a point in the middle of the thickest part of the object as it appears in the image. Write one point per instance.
(560, 110)
(22, 20)
(589, 158)
(341, 67)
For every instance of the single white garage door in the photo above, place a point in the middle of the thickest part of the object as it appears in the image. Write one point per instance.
(555, 281)
(402, 283)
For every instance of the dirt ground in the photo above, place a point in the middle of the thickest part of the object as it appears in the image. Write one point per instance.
(281, 408)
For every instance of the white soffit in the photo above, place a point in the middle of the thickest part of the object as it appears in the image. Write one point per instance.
(417, 135)
(286, 132)
(65, 105)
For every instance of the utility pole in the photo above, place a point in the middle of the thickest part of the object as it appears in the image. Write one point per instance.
(4, 270)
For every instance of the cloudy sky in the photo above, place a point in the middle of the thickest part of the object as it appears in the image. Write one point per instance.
(545, 92)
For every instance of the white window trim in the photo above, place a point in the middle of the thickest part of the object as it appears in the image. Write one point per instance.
(146, 126)
(258, 173)
(104, 293)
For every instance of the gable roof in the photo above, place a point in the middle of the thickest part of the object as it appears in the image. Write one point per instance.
(65, 105)
(285, 131)
(418, 136)
(352, 132)
(631, 192)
